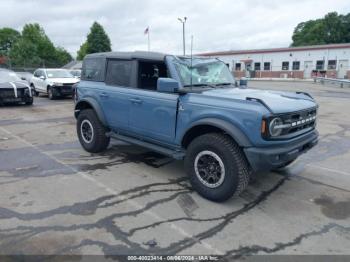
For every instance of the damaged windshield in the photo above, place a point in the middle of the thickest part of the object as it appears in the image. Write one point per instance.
(203, 72)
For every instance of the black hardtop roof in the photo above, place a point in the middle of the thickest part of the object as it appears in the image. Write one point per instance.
(130, 55)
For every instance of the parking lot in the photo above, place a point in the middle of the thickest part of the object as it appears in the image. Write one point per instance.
(55, 198)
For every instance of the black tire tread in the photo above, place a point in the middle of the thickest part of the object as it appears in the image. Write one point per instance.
(101, 141)
(238, 159)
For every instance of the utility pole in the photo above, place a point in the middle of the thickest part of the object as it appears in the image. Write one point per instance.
(183, 21)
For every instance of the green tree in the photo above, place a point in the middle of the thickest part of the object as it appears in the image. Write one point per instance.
(8, 37)
(62, 56)
(331, 29)
(82, 51)
(36, 49)
(24, 53)
(97, 40)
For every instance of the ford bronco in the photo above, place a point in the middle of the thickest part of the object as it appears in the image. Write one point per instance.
(189, 108)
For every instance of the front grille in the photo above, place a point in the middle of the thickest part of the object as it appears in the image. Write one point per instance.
(303, 120)
(299, 121)
(7, 92)
(20, 92)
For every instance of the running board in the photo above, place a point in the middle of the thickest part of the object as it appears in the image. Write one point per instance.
(176, 154)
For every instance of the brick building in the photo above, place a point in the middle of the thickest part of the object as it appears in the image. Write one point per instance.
(291, 62)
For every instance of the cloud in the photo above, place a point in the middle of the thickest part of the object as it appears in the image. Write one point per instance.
(216, 25)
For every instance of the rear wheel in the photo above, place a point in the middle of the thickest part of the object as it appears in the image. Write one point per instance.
(91, 132)
(216, 166)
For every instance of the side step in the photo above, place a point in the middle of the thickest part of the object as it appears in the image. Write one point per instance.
(176, 154)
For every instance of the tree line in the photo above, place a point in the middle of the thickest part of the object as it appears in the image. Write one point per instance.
(32, 47)
(331, 29)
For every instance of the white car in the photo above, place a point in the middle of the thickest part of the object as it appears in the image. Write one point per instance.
(53, 82)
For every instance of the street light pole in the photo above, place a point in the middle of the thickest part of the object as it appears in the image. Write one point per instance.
(183, 21)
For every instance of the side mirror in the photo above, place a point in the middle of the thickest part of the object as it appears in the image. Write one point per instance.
(42, 77)
(23, 78)
(167, 85)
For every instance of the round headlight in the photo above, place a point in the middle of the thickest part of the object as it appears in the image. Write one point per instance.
(273, 127)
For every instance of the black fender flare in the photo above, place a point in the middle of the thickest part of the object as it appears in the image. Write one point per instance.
(236, 133)
(94, 105)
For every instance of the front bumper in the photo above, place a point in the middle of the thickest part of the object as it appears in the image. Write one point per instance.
(62, 90)
(268, 158)
(8, 96)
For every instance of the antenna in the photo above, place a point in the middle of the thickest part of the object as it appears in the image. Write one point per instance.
(191, 58)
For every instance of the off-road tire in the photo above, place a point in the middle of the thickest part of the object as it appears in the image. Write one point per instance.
(99, 140)
(236, 167)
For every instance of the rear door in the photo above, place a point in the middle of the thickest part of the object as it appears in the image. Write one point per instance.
(152, 114)
(115, 96)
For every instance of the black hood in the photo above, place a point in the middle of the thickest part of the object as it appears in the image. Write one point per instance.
(18, 84)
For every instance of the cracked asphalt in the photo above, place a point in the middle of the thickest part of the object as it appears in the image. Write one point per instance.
(55, 198)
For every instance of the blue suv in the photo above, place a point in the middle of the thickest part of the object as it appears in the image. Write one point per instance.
(190, 108)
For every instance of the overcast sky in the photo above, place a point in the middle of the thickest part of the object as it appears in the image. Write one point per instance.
(216, 25)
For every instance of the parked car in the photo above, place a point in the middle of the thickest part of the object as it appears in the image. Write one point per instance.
(53, 82)
(13, 89)
(189, 108)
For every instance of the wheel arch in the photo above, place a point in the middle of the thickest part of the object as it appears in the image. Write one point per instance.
(90, 104)
(210, 125)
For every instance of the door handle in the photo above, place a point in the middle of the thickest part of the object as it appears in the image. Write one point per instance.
(104, 95)
(136, 101)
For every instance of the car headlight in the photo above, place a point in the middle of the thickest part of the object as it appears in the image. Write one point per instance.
(275, 126)
(57, 84)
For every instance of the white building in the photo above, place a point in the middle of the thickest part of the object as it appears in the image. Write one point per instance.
(291, 62)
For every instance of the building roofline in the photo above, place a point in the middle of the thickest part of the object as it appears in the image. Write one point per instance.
(277, 50)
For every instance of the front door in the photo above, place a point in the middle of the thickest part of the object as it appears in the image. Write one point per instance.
(342, 68)
(307, 69)
(152, 114)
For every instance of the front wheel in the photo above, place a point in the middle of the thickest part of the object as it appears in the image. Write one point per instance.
(216, 166)
(50, 93)
(91, 132)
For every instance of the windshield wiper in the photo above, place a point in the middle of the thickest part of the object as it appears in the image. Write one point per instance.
(224, 84)
(204, 85)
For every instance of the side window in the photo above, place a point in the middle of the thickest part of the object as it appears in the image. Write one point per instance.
(238, 67)
(285, 65)
(118, 73)
(267, 66)
(37, 73)
(257, 66)
(93, 69)
(148, 74)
